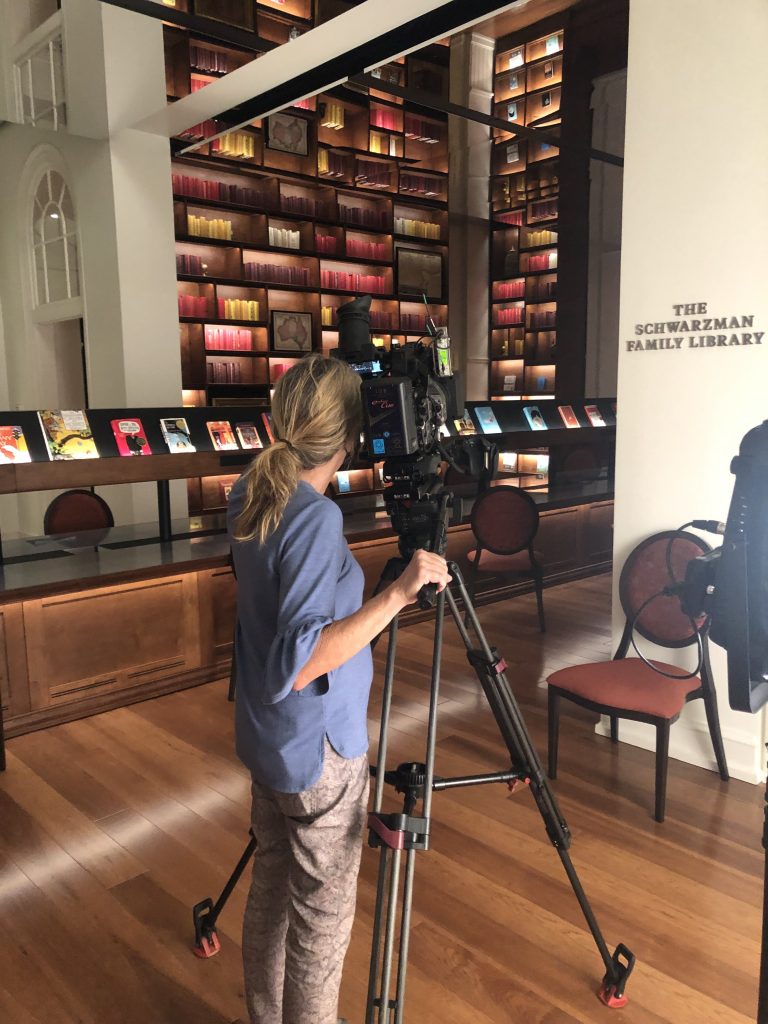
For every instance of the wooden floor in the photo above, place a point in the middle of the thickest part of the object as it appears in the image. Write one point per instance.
(114, 826)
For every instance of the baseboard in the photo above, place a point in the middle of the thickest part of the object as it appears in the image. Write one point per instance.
(691, 744)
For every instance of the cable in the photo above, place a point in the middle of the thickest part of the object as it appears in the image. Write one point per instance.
(673, 590)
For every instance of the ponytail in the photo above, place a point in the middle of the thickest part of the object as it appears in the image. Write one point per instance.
(316, 410)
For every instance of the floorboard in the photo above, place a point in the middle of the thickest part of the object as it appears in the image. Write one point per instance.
(113, 827)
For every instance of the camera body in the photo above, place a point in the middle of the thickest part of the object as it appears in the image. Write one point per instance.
(408, 394)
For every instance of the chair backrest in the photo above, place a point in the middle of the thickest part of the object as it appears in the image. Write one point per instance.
(657, 562)
(504, 520)
(76, 511)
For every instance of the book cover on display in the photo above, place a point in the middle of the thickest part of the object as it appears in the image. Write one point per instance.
(508, 461)
(248, 435)
(176, 434)
(594, 415)
(510, 380)
(568, 416)
(266, 419)
(222, 436)
(131, 437)
(488, 422)
(532, 413)
(342, 482)
(465, 425)
(13, 446)
(67, 434)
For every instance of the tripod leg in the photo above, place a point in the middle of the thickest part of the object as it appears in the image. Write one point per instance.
(490, 672)
(396, 834)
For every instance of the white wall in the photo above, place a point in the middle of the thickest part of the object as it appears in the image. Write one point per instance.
(694, 231)
(120, 181)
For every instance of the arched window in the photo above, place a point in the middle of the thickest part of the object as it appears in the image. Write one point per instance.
(54, 241)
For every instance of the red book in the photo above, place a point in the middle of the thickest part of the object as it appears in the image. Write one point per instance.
(266, 419)
(568, 416)
(131, 437)
(594, 415)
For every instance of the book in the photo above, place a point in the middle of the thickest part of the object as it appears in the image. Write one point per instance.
(513, 153)
(535, 420)
(542, 465)
(488, 422)
(248, 435)
(13, 446)
(552, 45)
(508, 461)
(225, 489)
(222, 436)
(465, 425)
(67, 434)
(342, 482)
(266, 419)
(516, 59)
(568, 416)
(549, 69)
(131, 437)
(594, 415)
(514, 83)
(511, 111)
(176, 434)
(510, 379)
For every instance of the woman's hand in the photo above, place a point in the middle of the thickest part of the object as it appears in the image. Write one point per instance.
(425, 567)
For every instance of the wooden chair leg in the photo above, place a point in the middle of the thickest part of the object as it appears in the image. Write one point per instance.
(614, 728)
(662, 765)
(553, 721)
(539, 585)
(713, 721)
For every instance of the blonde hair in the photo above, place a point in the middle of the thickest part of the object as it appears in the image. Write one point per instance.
(316, 410)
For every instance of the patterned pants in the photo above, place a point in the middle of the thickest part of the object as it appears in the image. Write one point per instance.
(301, 906)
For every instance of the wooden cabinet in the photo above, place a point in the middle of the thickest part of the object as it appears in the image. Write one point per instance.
(85, 646)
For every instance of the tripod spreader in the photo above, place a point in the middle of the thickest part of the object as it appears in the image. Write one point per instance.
(405, 832)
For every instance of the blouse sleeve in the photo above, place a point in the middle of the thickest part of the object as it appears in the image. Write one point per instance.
(309, 567)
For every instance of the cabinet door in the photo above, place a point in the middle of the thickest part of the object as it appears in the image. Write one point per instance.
(218, 602)
(14, 688)
(90, 643)
(598, 532)
(558, 541)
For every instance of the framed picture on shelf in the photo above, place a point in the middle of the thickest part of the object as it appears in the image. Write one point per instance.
(420, 273)
(291, 332)
(288, 134)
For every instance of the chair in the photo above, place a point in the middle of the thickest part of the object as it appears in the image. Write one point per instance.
(75, 512)
(627, 687)
(505, 521)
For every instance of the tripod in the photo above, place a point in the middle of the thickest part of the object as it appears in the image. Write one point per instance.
(400, 836)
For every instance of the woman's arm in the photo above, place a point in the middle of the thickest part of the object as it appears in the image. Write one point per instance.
(341, 640)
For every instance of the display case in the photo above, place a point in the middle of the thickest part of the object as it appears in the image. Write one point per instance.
(524, 189)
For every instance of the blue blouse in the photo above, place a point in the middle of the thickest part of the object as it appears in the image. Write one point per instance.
(288, 589)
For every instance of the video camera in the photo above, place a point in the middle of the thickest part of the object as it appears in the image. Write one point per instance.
(731, 584)
(409, 394)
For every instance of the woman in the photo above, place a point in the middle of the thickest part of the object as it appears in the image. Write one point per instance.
(304, 673)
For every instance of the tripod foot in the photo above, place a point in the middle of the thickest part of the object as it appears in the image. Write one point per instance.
(608, 996)
(206, 940)
(612, 989)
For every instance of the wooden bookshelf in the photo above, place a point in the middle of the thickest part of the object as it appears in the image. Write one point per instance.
(294, 215)
(524, 216)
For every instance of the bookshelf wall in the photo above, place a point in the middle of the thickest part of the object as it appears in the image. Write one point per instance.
(524, 192)
(280, 223)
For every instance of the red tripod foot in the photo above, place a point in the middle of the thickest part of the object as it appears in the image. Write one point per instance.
(207, 947)
(608, 996)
